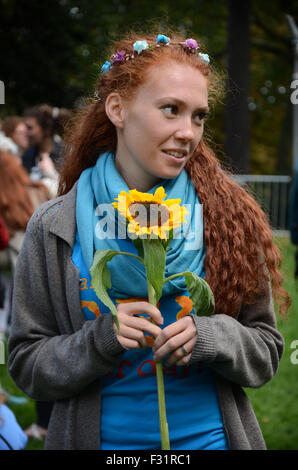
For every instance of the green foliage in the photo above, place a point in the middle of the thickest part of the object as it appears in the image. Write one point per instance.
(200, 294)
(155, 262)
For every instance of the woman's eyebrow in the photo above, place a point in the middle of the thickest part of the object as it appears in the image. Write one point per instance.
(182, 103)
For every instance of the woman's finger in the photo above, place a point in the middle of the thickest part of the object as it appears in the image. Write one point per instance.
(173, 337)
(128, 343)
(179, 357)
(134, 334)
(137, 308)
(143, 324)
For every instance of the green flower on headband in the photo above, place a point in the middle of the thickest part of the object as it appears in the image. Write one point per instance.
(140, 46)
(106, 66)
(162, 39)
(205, 57)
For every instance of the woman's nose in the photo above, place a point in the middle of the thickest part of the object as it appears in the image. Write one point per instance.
(185, 131)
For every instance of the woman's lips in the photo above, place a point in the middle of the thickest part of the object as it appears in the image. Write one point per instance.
(174, 155)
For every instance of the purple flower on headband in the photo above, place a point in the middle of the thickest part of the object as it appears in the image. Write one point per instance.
(119, 56)
(191, 43)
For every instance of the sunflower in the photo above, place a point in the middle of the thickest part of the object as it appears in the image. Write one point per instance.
(149, 214)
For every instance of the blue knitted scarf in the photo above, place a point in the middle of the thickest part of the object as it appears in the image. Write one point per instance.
(98, 187)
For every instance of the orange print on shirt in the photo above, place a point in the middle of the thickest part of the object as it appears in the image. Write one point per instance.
(92, 306)
(186, 304)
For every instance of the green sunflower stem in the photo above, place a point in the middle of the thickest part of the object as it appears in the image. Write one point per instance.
(164, 430)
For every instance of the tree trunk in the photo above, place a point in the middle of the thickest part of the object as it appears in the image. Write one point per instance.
(237, 131)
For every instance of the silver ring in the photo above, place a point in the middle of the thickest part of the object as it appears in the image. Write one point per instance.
(184, 351)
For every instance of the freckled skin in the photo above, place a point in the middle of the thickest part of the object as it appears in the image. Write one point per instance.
(150, 126)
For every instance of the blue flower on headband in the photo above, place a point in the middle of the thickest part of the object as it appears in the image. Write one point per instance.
(140, 46)
(162, 39)
(106, 66)
(205, 57)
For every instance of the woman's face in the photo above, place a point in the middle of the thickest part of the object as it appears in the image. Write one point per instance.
(20, 136)
(162, 125)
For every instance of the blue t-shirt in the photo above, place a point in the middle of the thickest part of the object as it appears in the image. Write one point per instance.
(130, 416)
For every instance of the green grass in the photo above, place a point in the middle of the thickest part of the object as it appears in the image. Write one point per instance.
(275, 404)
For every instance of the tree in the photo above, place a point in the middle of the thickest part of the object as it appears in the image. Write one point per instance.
(236, 111)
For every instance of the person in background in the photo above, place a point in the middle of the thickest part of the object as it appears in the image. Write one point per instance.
(6, 143)
(4, 235)
(12, 437)
(15, 128)
(46, 147)
(4, 241)
(293, 219)
(19, 198)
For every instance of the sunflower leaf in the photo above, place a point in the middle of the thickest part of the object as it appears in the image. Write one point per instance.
(101, 277)
(137, 242)
(200, 294)
(155, 262)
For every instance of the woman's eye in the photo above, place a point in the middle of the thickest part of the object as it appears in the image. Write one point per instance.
(170, 109)
(201, 116)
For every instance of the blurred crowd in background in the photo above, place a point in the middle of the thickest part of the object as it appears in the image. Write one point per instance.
(31, 154)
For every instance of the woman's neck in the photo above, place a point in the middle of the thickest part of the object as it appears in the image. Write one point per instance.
(135, 181)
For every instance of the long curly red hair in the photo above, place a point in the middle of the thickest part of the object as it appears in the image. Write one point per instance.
(16, 206)
(241, 255)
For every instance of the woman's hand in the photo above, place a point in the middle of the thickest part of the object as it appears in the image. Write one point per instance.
(179, 339)
(46, 164)
(131, 333)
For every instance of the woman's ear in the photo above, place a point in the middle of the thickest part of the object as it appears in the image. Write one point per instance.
(114, 109)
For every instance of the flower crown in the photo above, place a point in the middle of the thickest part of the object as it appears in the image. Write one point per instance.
(190, 45)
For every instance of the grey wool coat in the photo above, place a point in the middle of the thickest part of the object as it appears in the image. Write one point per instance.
(55, 354)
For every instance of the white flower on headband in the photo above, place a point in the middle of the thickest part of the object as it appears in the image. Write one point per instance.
(205, 57)
(140, 46)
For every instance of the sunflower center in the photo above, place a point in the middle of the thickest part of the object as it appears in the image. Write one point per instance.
(149, 214)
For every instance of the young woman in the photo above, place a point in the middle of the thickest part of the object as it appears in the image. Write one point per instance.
(14, 127)
(142, 130)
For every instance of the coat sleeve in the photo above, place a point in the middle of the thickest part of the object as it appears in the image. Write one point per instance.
(246, 350)
(44, 362)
